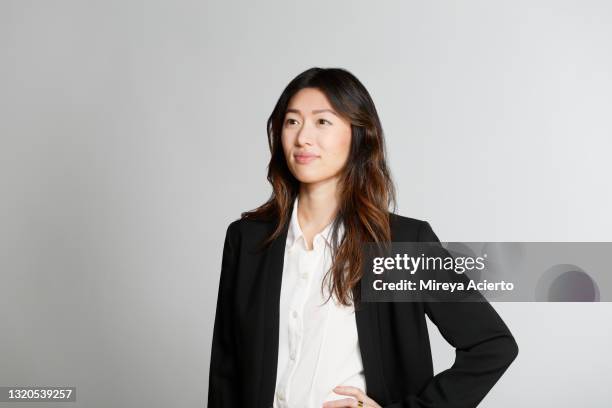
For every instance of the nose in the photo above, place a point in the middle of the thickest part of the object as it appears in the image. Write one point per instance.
(305, 135)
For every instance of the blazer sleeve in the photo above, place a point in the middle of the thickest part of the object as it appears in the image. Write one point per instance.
(484, 348)
(223, 386)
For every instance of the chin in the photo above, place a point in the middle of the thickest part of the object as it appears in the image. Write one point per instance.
(311, 178)
(308, 180)
(311, 175)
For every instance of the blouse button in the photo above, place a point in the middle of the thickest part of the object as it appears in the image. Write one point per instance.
(294, 314)
(304, 275)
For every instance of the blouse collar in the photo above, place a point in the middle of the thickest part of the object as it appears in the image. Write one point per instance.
(295, 232)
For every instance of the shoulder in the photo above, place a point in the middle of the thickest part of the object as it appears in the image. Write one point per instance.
(408, 229)
(247, 229)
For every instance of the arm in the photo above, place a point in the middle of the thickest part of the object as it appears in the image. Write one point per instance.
(223, 387)
(484, 348)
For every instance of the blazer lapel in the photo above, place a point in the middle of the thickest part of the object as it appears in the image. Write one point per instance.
(366, 316)
(273, 269)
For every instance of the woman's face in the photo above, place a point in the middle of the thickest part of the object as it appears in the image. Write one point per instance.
(316, 140)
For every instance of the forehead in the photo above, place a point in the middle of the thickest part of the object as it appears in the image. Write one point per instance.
(307, 99)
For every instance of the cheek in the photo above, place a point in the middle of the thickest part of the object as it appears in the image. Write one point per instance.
(339, 145)
(286, 142)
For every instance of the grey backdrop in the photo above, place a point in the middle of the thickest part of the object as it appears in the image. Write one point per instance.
(133, 133)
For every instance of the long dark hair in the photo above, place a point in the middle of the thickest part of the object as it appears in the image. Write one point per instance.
(366, 187)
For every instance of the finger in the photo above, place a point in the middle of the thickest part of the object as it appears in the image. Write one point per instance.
(352, 391)
(357, 393)
(341, 403)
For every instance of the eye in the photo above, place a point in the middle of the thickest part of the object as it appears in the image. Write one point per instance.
(290, 121)
(323, 121)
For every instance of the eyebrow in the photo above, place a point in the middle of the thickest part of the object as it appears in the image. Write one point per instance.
(314, 111)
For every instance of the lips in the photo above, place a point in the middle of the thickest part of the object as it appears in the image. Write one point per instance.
(304, 158)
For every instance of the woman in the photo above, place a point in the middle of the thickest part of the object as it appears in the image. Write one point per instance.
(290, 330)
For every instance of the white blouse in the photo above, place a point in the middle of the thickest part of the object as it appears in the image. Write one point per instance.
(318, 344)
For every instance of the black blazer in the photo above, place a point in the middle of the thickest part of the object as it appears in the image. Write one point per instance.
(392, 336)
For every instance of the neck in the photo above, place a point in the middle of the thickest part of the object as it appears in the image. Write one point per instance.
(318, 203)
